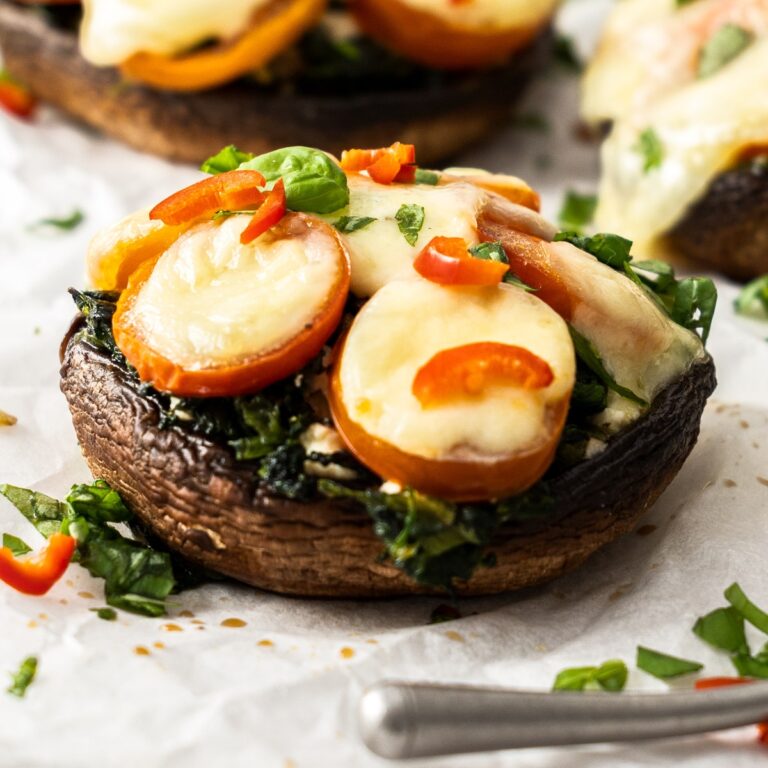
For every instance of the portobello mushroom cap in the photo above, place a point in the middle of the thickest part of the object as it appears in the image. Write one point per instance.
(727, 228)
(441, 118)
(195, 497)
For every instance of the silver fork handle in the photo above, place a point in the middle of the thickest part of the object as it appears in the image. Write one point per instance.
(405, 720)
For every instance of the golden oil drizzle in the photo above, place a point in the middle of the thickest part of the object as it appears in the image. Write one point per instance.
(172, 628)
(346, 652)
(266, 644)
(32, 624)
(141, 650)
(234, 623)
(762, 480)
(159, 646)
(372, 642)
(187, 615)
(197, 621)
(728, 483)
(86, 595)
(455, 636)
(42, 616)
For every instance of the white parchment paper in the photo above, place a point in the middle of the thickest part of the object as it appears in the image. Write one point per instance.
(281, 691)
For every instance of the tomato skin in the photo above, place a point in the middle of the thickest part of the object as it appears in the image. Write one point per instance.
(468, 370)
(16, 99)
(267, 214)
(452, 479)
(384, 165)
(446, 260)
(37, 574)
(250, 375)
(233, 190)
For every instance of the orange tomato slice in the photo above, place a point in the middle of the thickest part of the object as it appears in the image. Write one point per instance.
(192, 322)
(447, 261)
(470, 369)
(273, 29)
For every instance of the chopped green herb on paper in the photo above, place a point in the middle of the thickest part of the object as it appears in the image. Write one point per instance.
(610, 676)
(16, 545)
(347, 224)
(649, 146)
(752, 301)
(410, 220)
(23, 678)
(664, 666)
(722, 48)
(723, 628)
(748, 610)
(107, 614)
(750, 666)
(65, 223)
(577, 211)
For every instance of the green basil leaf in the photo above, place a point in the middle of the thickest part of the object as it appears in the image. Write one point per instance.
(66, 223)
(723, 628)
(751, 613)
(490, 252)
(16, 545)
(694, 300)
(228, 159)
(24, 677)
(749, 666)
(347, 224)
(45, 513)
(657, 275)
(722, 48)
(107, 614)
(612, 250)
(98, 503)
(587, 353)
(753, 299)
(314, 182)
(662, 665)
(410, 220)
(426, 177)
(577, 211)
(610, 676)
(650, 148)
(574, 679)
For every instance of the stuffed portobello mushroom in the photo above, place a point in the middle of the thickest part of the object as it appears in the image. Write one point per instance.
(683, 86)
(362, 378)
(182, 79)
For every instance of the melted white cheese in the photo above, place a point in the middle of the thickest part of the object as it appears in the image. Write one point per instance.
(702, 128)
(113, 30)
(487, 15)
(212, 301)
(379, 252)
(408, 322)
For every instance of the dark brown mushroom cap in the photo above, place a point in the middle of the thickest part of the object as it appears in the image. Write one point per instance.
(727, 228)
(193, 495)
(440, 119)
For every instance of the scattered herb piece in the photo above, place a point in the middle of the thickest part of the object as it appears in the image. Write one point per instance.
(24, 677)
(610, 676)
(226, 214)
(348, 224)
(752, 301)
(577, 211)
(7, 420)
(650, 148)
(750, 666)
(494, 251)
(107, 614)
(228, 159)
(723, 628)
(16, 545)
(444, 613)
(662, 665)
(751, 613)
(314, 182)
(426, 177)
(410, 220)
(722, 48)
(66, 223)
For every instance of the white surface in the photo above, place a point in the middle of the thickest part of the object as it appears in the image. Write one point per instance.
(215, 696)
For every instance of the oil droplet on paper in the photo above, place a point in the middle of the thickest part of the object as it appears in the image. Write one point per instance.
(171, 628)
(762, 480)
(728, 483)
(187, 615)
(42, 616)
(455, 636)
(234, 623)
(265, 643)
(744, 424)
(159, 646)
(140, 650)
(86, 595)
(196, 621)
(346, 652)
(372, 642)
(32, 624)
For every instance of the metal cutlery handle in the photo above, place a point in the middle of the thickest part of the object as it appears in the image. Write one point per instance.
(404, 720)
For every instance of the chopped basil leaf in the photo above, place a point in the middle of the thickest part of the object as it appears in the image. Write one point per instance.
(24, 677)
(750, 666)
(426, 177)
(587, 353)
(662, 665)
(565, 53)
(577, 211)
(723, 628)
(410, 220)
(107, 614)
(45, 513)
(66, 223)
(751, 613)
(16, 545)
(693, 304)
(314, 182)
(753, 299)
(495, 252)
(227, 214)
(612, 250)
(98, 503)
(610, 676)
(444, 613)
(722, 48)
(650, 148)
(348, 224)
(228, 159)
